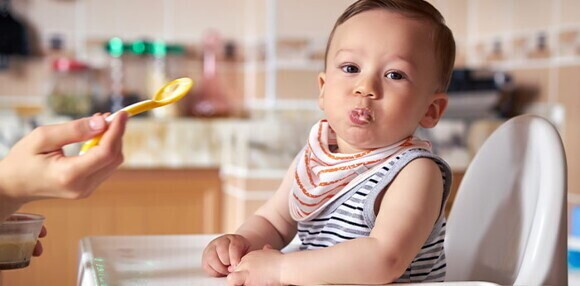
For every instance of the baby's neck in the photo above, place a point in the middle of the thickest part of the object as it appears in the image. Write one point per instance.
(333, 148)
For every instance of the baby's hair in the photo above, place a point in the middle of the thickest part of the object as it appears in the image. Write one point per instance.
(442, 36)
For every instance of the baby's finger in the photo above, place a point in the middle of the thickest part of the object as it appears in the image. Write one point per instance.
(215, 263)
(237, 278)
(236, 250)
(223, 253)
(267, 246)
(210, 271)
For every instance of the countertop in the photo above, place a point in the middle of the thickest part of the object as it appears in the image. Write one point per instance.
(263, 142)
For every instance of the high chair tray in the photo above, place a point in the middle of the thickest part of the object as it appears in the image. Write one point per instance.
(158, 261)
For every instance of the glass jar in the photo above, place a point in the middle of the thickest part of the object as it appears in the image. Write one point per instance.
(70, 93)
(209, 99)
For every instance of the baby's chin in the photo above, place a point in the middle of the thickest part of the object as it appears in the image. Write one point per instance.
(359, 142)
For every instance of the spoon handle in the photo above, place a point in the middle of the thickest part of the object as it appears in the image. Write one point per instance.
(183, 85)
(132, 110)
(90, 144)
(136, 108)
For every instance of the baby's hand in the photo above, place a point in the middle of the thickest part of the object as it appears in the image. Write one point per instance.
(262, 267)
(222, 252)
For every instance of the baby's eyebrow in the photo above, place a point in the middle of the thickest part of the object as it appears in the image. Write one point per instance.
(344, 51)
(404, 60)
(410, 63)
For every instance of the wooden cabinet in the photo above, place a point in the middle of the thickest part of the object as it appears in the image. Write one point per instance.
(131, 202)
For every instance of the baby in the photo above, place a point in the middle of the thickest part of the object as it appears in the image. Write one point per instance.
(365, 196)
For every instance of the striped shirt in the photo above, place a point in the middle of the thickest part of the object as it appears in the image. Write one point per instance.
(352, 216)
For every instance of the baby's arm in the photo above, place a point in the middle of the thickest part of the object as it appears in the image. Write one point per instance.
(407, 213)
(272, 224)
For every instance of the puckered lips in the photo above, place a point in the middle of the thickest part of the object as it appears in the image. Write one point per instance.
(361, 116)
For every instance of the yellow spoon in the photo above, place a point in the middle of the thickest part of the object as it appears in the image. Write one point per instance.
(169, 93)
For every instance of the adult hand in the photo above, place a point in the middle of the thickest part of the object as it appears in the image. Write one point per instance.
(36, 167)
(38, 247)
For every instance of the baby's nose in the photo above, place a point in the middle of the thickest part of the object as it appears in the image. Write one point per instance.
(368, 87)
(366, 92)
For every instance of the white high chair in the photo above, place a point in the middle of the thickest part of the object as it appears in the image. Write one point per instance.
(507, 224)
(508, 221)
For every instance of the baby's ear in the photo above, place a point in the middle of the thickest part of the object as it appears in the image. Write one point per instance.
(321, 82)
(435, 110)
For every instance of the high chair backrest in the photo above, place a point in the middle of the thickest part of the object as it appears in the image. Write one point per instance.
(508, 224)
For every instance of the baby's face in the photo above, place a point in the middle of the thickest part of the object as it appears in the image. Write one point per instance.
(380, 80)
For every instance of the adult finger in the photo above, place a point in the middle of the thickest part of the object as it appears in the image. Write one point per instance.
(37, 249)
(108, 152)
(237, 278)
(50, 138)
(81, 174)
(43, 232)
(88, 184)
(110, 162)
(105, 172)
(113, 137)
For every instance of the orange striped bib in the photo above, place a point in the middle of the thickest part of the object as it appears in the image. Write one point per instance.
(322, 176)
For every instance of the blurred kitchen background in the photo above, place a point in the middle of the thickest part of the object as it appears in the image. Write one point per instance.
(204, 164)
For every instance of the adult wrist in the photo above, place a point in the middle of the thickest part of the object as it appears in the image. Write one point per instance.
(8, 206)
(9, 203)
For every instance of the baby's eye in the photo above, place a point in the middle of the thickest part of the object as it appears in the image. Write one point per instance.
(349, 69)
(394, 75)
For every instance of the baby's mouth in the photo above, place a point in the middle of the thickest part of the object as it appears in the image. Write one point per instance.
(361, 116)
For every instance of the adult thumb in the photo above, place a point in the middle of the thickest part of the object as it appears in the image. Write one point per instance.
(53, 137)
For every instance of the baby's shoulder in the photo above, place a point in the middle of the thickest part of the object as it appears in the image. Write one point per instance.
(419, 169)
(422, 165)
(419, 162)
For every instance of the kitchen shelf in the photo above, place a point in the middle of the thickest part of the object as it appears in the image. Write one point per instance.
(536, 63)
(288, 64)
(284, 104)
(300, 64)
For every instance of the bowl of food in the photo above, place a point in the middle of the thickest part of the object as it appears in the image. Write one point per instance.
(18, 235)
